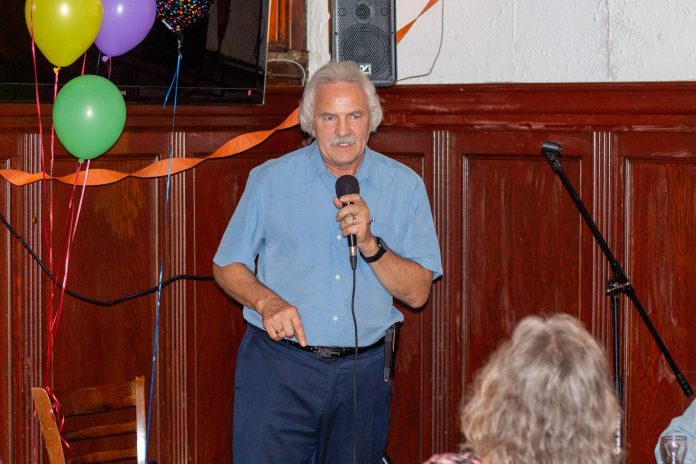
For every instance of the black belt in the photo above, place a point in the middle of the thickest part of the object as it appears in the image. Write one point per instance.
(332, 352)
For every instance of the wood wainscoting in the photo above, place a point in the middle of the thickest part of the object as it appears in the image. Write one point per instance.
(513, 244)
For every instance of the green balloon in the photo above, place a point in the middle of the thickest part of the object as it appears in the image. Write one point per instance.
(89, 115)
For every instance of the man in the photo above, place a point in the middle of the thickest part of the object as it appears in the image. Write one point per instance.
(297, 366)
(682, 425)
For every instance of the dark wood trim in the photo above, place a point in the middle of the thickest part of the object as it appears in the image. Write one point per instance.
(568, 107)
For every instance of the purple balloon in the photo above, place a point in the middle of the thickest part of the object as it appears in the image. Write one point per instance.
(125, 24)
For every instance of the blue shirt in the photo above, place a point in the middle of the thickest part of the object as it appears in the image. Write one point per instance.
(286, 218)
(682, 425)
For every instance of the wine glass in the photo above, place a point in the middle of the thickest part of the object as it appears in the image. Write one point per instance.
(673, 449)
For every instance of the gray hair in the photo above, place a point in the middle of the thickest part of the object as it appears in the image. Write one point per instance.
(332, 73)
(544, 396)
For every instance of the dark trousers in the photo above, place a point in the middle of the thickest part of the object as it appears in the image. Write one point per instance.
(292, 407)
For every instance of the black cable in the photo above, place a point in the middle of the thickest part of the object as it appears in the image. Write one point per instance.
(86, 299)
(355, 375)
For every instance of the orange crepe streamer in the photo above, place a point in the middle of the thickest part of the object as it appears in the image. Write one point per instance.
(159, 168)
(402, 32)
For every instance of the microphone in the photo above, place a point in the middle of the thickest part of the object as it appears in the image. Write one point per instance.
(346, 185)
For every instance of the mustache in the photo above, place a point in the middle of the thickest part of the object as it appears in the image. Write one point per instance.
(345, 139)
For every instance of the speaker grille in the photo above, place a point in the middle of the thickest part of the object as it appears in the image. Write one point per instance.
(363, 11)
(363, 32)
(364, 43)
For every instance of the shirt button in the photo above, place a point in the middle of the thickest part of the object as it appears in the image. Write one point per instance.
(339, 237)
(335, 318)
(338, 276)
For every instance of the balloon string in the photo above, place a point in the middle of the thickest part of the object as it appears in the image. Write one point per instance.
(84, 63)
(48, 239)
(35, 457)
(175, 78)
(70, 227)
(42, 153)
(71, 236)
(175, 85)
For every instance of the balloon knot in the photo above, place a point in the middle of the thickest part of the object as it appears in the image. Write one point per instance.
(56, 69)
(179, 40)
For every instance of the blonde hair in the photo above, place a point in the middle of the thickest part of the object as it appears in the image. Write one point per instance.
(544, 397)
(332, 73)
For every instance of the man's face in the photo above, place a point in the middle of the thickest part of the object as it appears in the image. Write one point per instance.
(341, 126)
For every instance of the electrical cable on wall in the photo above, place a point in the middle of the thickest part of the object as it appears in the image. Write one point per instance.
(90, 300)
(296, 63)
(439, 47)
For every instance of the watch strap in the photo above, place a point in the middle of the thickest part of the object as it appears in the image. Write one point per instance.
(381, 249)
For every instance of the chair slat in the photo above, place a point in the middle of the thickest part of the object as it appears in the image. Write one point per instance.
(103, 456)
(96, 399)
(100, 431)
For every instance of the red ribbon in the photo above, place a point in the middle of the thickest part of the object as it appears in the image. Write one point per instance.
(57, 414)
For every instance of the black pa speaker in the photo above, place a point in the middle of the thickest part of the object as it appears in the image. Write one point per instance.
(364, 31)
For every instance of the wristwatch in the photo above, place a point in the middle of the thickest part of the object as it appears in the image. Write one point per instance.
(382, 248)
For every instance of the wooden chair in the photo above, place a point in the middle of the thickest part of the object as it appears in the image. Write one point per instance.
(101, 417)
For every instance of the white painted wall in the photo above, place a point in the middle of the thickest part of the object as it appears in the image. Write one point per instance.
(535, 40)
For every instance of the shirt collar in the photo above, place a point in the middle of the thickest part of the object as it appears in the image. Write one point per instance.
(316, 167)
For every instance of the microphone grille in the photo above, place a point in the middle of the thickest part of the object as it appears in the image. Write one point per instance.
(346, 185)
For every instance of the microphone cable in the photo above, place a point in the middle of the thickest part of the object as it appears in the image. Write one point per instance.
(87, 299)
(355, 374)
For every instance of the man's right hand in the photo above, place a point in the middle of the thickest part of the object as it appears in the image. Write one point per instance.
(282, 320)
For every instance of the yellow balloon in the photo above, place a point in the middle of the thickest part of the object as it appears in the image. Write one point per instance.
(63, 29)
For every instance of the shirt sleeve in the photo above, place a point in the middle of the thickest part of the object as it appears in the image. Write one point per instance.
(420, 242)
(244, 234)
(682, 425)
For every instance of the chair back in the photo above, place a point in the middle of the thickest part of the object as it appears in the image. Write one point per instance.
(94, 419)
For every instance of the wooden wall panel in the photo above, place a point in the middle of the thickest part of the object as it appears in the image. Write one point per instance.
(524, 237)
(660, 218)
(107, 259)
(512, 241)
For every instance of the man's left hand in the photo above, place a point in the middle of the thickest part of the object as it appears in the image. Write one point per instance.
(353, 218)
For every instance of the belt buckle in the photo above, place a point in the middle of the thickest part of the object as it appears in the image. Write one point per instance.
(328, 353)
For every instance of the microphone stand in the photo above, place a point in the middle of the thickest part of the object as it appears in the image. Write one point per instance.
(619, 283)
(613, 289)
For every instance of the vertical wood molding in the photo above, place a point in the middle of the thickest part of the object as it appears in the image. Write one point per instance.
(6, 329)
(445, 324)
(606, 207)
(176, 330)
(604, 170)
(29, 310)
